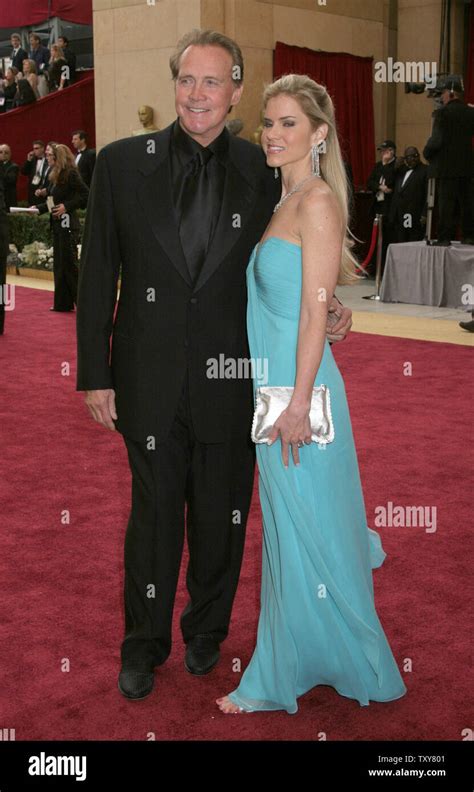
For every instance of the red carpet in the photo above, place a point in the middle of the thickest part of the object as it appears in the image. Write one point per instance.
(62, 581)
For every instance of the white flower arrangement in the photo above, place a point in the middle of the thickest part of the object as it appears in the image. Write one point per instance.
(37, 255)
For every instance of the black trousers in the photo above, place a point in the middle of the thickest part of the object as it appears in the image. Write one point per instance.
(456, 203)
(215, 482)
(64, 267)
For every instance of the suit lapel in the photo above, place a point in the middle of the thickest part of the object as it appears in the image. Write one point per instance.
(154, 193)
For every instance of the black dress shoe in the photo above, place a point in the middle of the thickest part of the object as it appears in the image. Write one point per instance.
(467, 325)
(135, 684)
(202, 654)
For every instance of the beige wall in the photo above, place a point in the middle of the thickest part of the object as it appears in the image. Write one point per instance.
(132, 45)
(133, 42)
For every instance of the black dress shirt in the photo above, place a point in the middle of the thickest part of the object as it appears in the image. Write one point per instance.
(183, 149)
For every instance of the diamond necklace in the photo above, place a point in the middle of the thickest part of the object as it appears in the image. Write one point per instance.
(295, 189)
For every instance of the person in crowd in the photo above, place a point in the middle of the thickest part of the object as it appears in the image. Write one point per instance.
(70, 56)
(29, 73)
(10, 172)
(408, 206)
(44, 188)
(18, 54)
(4, 247)
(381, 183)
(9, 87)
(24, 95)
(85, 157)
(38, 53)
(58, 69)
(35, 167)
(69, 193)
(449, 152)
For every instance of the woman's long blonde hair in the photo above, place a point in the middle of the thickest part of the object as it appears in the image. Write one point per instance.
(317, 105)
(64, 163)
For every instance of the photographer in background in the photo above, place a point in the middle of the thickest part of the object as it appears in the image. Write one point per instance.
(449, 152)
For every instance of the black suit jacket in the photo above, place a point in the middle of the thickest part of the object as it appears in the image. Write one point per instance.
(10, 177)
(29, 169)
(73, 194)
(17, 60)
(411, 198)
(86, 165)
(388, 172)
(449, 149)
(163, 325)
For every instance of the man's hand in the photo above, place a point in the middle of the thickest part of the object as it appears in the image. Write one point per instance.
(101, 404)
(339, 321)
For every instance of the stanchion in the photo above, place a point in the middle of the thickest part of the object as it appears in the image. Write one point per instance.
(430, 207)
(378, 266)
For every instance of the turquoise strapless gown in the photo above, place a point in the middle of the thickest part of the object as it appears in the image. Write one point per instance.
(318, 624)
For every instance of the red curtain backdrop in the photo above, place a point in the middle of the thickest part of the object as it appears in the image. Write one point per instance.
(30, 12)
(348, 79)
(469, 82)
(52, 118)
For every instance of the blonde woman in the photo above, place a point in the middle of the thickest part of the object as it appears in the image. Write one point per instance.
(29, 73)
(58, 69)
(69, 193)
(318, 624)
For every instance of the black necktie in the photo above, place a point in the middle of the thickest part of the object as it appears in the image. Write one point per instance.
(196, 212)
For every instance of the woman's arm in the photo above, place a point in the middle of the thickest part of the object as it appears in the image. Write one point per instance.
(80, 193)
(321, 234)
(322, 238)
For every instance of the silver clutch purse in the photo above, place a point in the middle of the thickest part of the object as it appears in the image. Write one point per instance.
(271, 400)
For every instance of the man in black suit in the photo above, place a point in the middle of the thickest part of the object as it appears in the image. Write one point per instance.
(3, 252)
(10, 175)
(18, 54)
(408, 207)
(36, 168)
(85, 157)
(449, 152)
(382, 179)
(382, 183)
(181, 210)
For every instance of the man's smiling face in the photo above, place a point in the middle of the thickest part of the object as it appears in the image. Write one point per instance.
(205, 91)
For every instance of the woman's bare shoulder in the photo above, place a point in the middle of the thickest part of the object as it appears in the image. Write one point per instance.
(319, 197)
